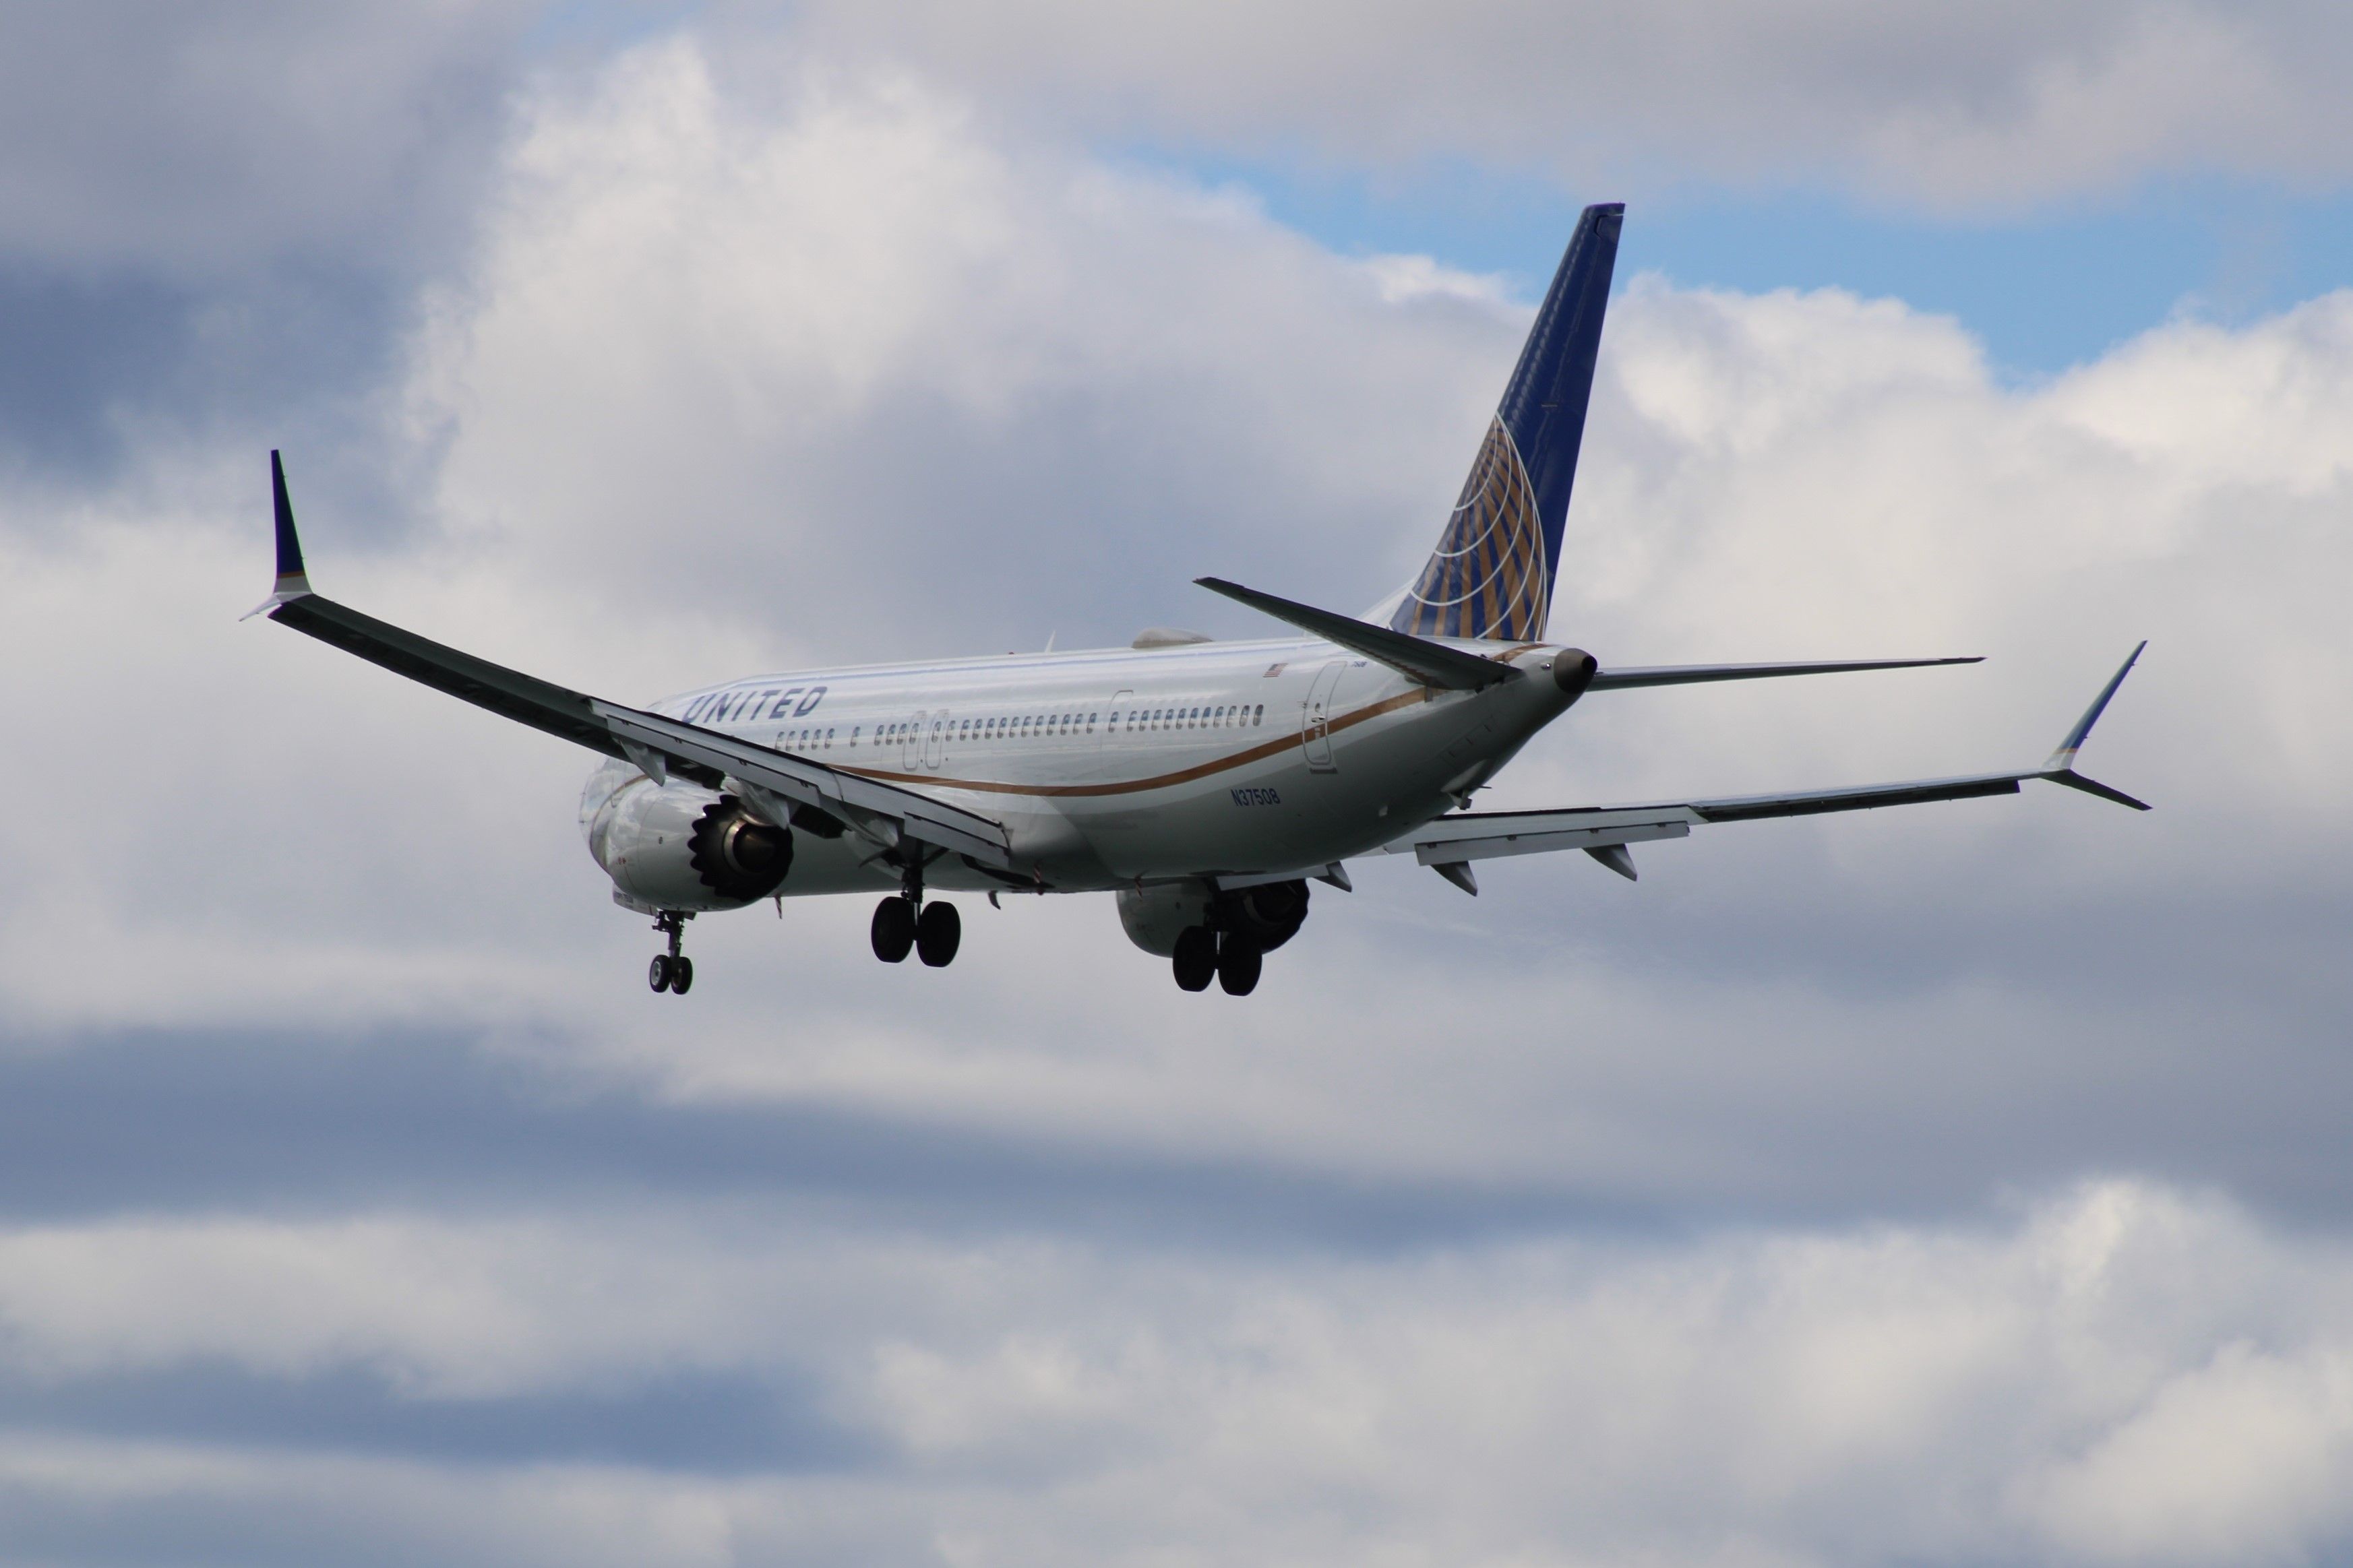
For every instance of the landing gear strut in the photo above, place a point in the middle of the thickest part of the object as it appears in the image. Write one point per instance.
(904, 922)
(672, 972)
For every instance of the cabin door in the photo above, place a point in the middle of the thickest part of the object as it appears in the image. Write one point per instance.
(1315, 734)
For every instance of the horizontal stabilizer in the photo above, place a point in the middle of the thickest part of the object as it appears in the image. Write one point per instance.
(1434, 663)
(1697, 674)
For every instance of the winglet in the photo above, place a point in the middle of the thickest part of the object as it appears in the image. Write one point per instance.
(292, 582)
(2060, 767)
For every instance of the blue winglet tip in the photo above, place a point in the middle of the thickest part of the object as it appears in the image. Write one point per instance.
(2064, 758)
(290, 545)
(292, 582)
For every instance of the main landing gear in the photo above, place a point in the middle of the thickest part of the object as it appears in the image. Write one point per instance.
(904, 921)
(1228, 958)
(672, 972)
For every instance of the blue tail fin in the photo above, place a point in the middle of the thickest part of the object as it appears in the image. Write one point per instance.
(1492, 573)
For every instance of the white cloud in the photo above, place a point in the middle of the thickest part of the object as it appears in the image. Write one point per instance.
(827, 363)
(1992, 105)
(734, 385)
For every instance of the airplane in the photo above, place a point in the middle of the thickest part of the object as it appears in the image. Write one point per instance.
(1206, 784)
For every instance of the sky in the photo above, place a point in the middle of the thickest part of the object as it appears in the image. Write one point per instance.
(1962, 1184)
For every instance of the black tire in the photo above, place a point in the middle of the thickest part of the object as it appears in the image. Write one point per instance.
(938, 935)
(893, 930)
(658, 972)
(681, 975)
(1195, 961)
(1239, 964)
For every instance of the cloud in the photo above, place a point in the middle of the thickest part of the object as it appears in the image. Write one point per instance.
(2077, 1382)
(1992, 106)
(847, 373)
(857, 304)
(195, 144)
(360, 1202)
(212, 219)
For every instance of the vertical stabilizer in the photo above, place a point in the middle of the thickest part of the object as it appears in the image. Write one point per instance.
(1492, 573)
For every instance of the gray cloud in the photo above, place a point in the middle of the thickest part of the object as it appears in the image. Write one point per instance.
(212, 219)
(2068, 1384)
(205, 143)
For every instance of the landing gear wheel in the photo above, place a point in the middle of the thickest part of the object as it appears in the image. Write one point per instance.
(938, 934)
(1196, 959)
(672, 972)
(893, 930)
(1239, 964)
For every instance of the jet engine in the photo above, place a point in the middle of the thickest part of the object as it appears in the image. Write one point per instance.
(1265, 916)
(680, 847)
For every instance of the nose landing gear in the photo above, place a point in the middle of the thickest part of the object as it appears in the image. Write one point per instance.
(672, 972)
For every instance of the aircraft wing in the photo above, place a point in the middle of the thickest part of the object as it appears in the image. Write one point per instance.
(1449, 843)
(659, 745)
(1694, 674)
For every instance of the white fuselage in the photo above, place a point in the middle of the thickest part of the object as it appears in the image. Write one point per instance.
(1113, 766)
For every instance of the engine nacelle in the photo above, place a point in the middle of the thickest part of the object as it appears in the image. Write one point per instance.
(1265, 916)
(681, 847)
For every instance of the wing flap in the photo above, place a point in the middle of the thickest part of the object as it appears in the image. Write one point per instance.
(1485, 836)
